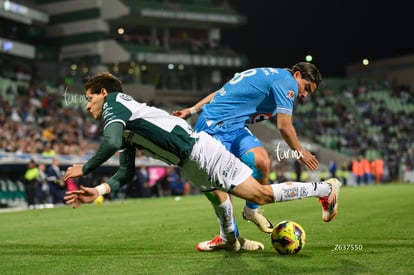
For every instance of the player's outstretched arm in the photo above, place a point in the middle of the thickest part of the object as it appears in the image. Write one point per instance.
(184, 113)
(288, 132)
(84, 195)
(188, 112)
(73, 172)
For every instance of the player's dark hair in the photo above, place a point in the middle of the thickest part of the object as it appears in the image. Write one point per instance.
(308, 72)
(103, 80)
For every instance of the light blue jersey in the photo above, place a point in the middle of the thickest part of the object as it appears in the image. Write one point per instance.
(249, 97)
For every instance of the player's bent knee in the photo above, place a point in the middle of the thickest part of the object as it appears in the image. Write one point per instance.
(259, 162)
(250, 160)
(216, 197)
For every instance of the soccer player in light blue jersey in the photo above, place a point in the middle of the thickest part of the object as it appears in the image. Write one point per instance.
(249, 97)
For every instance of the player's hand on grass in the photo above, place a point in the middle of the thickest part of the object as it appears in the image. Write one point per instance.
(79, 197)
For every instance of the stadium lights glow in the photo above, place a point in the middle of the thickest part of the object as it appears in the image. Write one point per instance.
(15, 8)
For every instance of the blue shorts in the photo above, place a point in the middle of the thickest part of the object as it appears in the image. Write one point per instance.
(238, 141)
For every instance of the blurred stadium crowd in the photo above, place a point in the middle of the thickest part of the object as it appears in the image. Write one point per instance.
(35, 120)
(373, 121)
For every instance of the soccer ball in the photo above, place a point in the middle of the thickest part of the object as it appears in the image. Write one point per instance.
(99, 200)
(288, 237)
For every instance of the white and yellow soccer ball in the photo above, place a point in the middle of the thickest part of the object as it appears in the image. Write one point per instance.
(288, 237)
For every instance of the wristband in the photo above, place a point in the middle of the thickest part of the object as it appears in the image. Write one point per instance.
(101, 189)
(193, 111)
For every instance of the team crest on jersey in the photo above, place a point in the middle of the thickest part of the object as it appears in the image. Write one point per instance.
(290, 94)
(125, 97)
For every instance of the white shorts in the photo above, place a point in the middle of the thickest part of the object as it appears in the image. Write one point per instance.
(211, 166)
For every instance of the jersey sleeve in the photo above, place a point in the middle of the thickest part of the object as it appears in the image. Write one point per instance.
(111, 142)
(126, 171)
(285, 92)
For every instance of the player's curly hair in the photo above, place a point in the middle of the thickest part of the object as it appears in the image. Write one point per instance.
(103, 80)
(308, 72)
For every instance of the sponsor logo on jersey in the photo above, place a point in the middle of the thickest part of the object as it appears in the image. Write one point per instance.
(234, 173)
(221, 91)
(259, 117)
(227, 170)
(107, 112)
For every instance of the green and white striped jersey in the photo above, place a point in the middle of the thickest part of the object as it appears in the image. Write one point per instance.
(152, 130)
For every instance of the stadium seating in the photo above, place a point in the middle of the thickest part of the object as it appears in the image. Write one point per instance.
(12, 193)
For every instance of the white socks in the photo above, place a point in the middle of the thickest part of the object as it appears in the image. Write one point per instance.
(292, 190)
(224, 213)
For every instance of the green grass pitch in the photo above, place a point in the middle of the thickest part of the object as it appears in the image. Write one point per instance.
(373, 233)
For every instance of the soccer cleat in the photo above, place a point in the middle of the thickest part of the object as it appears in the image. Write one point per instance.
(218, 244)
(249, 245)
(256, 217)
(330, 202)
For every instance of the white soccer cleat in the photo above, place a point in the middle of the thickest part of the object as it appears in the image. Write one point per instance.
(249, 245)
(255, 216)
(330, 202)
(218, 244)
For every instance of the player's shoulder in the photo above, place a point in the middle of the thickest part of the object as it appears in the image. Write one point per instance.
(125, 97)
(118, 97)
(272, 72)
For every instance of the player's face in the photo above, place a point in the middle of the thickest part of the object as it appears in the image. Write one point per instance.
(94, 103)
(305, 87)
